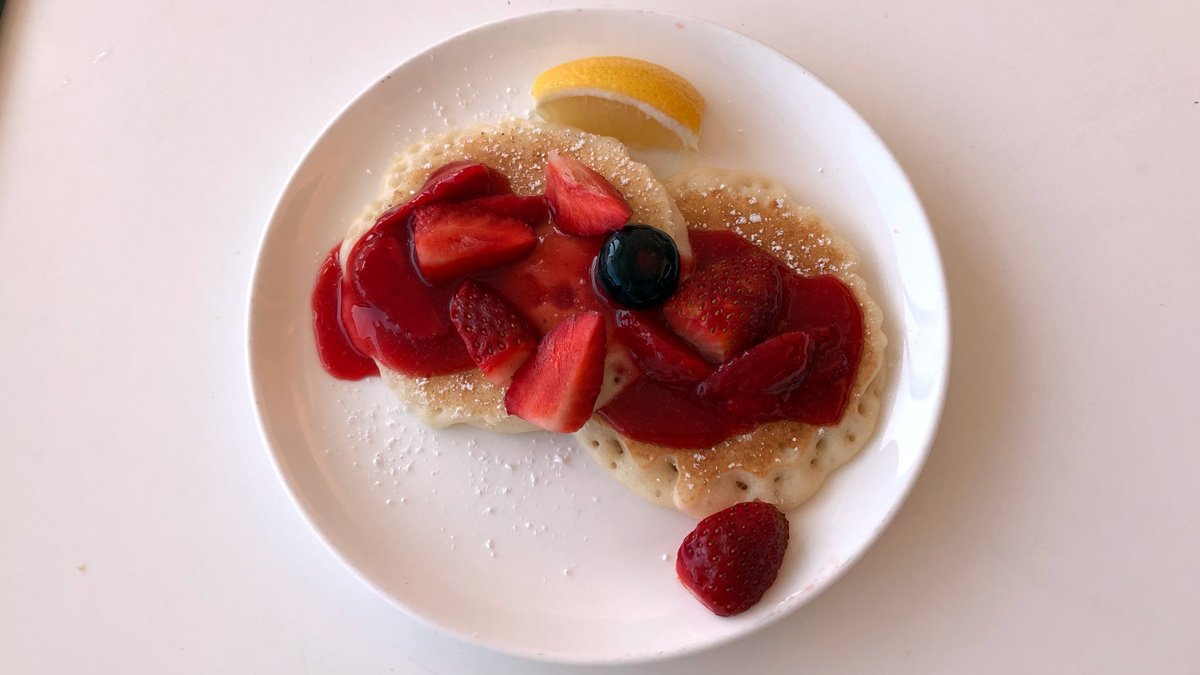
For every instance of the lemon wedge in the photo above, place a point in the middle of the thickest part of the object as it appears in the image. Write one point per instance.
(640, 103)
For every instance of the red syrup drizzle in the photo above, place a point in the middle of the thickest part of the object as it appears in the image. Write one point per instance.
(673, 414)
(334, 348)
(383, 309)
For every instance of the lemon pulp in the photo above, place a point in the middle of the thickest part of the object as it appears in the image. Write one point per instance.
(638, 102)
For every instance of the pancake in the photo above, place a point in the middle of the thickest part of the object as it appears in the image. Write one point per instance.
(780, 462)
(518, 149)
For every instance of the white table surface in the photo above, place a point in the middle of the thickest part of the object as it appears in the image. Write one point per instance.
(1056, 146)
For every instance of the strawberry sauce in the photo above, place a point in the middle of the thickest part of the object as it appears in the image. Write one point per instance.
(381, 308)
(334, 347)
(673, 414)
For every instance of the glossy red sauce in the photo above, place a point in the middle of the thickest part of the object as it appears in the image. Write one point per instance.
(386, 310)
(673, 414)
(553, 281)
(381, 308)
(334, 348)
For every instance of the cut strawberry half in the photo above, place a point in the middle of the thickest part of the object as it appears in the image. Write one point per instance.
(452, 182)
(497, 337)
(733, 556)
(453, 240)
(581, 201)
(557, 388)
(460, 180)
(532, 211)
(772, 367)
(726, 305)
(659, 354)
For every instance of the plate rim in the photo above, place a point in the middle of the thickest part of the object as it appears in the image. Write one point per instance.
(908, 482)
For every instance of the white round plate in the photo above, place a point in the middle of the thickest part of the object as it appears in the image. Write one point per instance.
(518, 542)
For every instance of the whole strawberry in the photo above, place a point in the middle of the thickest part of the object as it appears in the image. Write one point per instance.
(733, 556)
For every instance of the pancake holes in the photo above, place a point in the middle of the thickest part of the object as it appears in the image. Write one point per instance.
(658, 494)
(862, 408)
(812, 463)
(612, 465)
(778, 479)
(742, 486)
(851, 437)
(820, 444)
(595, 444)
(674, 468)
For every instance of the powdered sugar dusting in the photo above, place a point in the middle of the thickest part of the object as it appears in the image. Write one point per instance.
(501, 496)
(792, 233)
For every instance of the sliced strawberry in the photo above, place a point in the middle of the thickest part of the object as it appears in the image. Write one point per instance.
(558, 387)
(581, 201)
(772, 367)
(463, 179)
(532, 211)
(497, 337)
(452, 182)
(659, 354)
(727, 304)
(452, 240)
(733, 556)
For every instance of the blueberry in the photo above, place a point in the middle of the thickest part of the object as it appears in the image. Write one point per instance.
(638, 266)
